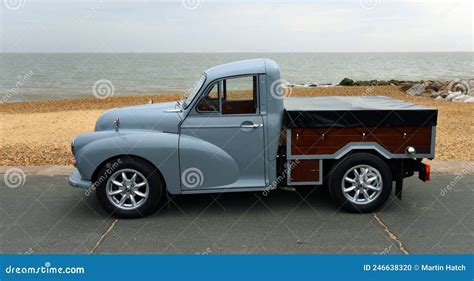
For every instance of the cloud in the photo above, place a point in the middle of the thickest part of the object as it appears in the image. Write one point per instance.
(238, 26)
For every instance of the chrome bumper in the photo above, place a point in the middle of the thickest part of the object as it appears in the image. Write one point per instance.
(75, 179)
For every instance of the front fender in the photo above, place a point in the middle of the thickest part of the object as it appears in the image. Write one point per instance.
(159, 148)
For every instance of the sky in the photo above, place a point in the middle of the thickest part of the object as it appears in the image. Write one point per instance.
(236, 26)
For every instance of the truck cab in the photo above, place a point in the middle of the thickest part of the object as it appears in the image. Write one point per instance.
(238, 125)
(236, 131)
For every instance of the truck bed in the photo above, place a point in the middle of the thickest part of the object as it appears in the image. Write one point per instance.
(319, 128)
(351, 112)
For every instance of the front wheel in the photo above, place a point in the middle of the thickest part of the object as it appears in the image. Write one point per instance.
(361, 182)
(132, 188)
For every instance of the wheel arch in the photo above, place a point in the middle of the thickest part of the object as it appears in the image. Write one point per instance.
(329, 164)
(381, 153)
(156, 148)
(99, 167)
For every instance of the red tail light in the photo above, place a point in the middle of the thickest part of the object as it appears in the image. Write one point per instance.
(427, 172)
(424, 172)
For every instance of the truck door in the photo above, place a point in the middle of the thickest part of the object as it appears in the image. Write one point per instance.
(222, 138)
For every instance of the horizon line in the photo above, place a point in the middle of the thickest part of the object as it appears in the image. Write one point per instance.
(259, 52)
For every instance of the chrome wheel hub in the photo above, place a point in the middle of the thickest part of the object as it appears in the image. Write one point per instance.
(362, 184)
(127, 189)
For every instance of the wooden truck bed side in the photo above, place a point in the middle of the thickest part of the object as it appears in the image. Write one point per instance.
(311, 141)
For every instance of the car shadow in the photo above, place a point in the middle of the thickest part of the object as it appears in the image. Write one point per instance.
(236, 202)
(281, 200)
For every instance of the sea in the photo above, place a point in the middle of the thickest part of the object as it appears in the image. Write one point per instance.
(46, 76)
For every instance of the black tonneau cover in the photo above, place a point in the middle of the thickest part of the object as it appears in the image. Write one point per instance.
(346, 112)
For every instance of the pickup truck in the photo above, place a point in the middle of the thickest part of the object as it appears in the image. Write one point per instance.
(236, 131)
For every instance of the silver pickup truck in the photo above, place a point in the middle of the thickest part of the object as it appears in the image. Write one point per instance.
(236, 131)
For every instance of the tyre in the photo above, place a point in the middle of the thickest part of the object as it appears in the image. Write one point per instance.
(131, 188)
(360, 183)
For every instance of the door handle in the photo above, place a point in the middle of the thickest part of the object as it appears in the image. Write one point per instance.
(251, 125)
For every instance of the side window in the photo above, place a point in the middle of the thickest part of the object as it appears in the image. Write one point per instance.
(210, 103)
(239, 95)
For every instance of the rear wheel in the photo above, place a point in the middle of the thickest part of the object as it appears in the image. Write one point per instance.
(361, 182)
(132, 188)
